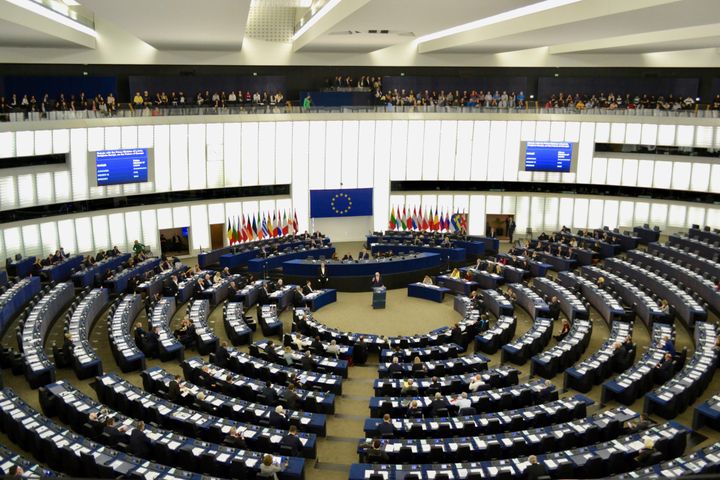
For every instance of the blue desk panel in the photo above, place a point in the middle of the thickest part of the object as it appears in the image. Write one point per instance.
(432, 292)
(309, 269)
(21, 268)
(453, 254)
(62, 271)
(257, 265)
(87, 277)
(236, 260)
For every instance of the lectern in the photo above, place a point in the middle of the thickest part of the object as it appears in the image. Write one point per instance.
(378, 297)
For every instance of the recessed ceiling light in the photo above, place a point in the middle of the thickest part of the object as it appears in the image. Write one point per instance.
(500, 17)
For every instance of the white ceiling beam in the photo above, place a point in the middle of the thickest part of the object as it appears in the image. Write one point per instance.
(36, 17)
(553, 17)
(329, 15)
(639, 39)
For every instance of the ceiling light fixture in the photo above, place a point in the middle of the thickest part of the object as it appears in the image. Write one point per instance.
(54, 16)
(500, 17)
(315, 18)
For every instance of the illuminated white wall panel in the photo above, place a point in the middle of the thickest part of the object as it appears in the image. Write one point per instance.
(283, 152)
(349, 165)
(610, 213)
(463, 152)
(78, 164)
(45, 186)
(162, 158)
(398, 150)
(666, 135)
(165, 218)
(149, 229)
(249, 154)
(133, 229)
(696, 216)
(630, 172)
(527, 133)
(645, 173)
(614, 171)
(7, 144)
(602, 133)
(595, 213)
(712, 216)
(129, 136)
(197, 162)
(8, 193)
(216, 213)
(49, 236)
(565, 215)
(550, 215)
(649, 134)
(512, 150)
(26, 190)
(366, 154)
(522, 213)
(537, 210)
(66, 231)
(480, 151)
(617, 133)
(333, 154)
(715, 179)
(658, 213)
(181, 217)
(681, 175)
(96, 139)
(113, 139)
(642, 213)
(580, 213)
(496, 152)
(685, 135)
(25, 143)
(300, 191)
(626, 214)
(663, 174)
(43, 142)
(431, 152)
(316, 146)
(200, 231)
(585, 152)
(100, 232)
(677, 216)
(12, 237)
(266, 153)
(447, 151)
(599, 170)
(232, 137)
(32, 244)
(572, 131)
(542, 131)
(84, 235)
(146, 135)
(415, 145)
(633, 133)
(493, 204)
(117, 231)
(557, 131)
(703, 136)
(384, 129)
(476, 215)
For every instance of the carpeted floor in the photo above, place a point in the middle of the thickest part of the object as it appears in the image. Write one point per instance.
(353, 312)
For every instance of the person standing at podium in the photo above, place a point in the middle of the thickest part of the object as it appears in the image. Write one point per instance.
(377, 281)
(323, 275)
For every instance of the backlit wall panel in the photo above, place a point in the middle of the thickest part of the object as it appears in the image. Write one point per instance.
(300, 173)
(283, 152)
(266, 153)
(448, 150)
(496, 152)
(384, 131)
(249, 154)
(415, 145)
(398, 149)
(366, 161)
(463, 151)
(480, 151)
(431, 152)
(333, 155)
(197, 161)
(317, 149)
(350, 143)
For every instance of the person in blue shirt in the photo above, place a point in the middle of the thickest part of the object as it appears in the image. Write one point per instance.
(668, 346)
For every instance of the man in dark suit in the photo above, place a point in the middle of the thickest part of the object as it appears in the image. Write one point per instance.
(298, 298)
(292, 442)
(308, 289)
(270, 354)
(278, 418)
(139, 444)
(174, 392)
(172, 286)
(222, 356)
(290, 397)
(554, 307)
(316, 346)
(235, 439)
(152, 342)
(264, 295)
(360, 352)
(113, 434)
(395, 369)
(307, 362)
(535, 470)
(439, 403)
(386, 428)
(434, 386)
(269, 393)
(664, 370)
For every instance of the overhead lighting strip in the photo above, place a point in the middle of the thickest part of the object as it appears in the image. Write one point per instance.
(315, 18)
(500, 17)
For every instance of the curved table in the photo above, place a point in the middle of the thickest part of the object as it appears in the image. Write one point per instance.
(397, 272)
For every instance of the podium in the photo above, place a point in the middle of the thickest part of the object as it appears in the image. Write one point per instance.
(378, 297)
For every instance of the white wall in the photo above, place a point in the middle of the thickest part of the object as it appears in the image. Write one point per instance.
(348, 229)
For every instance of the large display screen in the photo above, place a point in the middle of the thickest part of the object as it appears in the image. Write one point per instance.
(548, 156)
(114, 167)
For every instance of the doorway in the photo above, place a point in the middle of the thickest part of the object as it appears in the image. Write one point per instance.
(217, 235)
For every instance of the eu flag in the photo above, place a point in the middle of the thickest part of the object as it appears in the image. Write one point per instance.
(353, 202)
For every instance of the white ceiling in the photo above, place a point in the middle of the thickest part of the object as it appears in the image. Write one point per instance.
(258, 32)
(178, 24)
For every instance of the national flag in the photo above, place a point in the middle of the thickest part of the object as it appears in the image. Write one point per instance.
(278, 224)
(233, 232)
(410, 221)
(229, 231)
(447, 221)
(425, 225)
(270, 228)
(436, 220)
(392, 223)
(254, 228)
(285, 227)
(403, 222)
(265, 230)
(243, 229)
(295, 222)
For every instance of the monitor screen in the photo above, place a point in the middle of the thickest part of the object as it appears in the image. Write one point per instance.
(548, 156)
(115, 167)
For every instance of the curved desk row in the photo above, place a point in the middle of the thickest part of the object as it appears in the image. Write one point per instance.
(259, 265)
(448, 254)
(396, 272)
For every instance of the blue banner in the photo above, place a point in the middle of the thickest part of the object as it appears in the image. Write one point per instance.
(353, 202)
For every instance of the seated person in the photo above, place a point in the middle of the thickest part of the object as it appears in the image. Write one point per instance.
(185, 333)
(455, 273)
(269, 468)
(386, 428)
(427, 280)
(642, 423)
(409, 388)
(235, 439)
(395, 369)
(439, 405)
(643, 456)
(418, 367)
(535, 470)
(333, 349)
(375, 454)
(414, 410)
(564, 330)
(291, 442)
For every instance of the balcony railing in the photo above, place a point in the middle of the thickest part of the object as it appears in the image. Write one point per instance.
(699, 111)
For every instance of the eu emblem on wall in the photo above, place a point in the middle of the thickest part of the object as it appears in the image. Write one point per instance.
(352, 202)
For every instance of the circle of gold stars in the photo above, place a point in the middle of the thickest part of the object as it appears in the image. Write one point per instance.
(339, 210)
